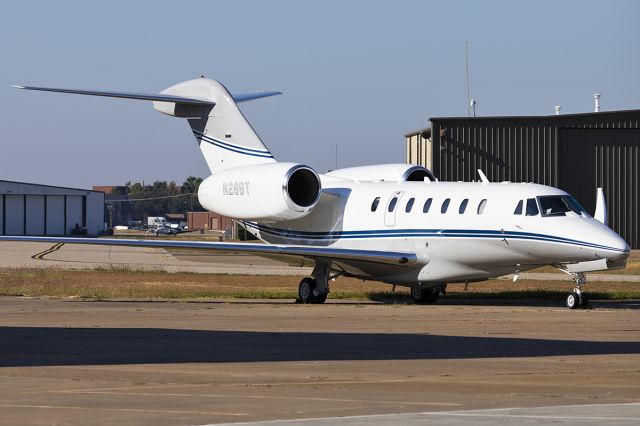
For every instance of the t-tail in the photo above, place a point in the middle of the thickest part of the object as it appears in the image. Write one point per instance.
(225, 137)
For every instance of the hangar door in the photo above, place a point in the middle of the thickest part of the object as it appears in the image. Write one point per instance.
(34, 214)
(13, 214)
(26, 214)
(607, 158)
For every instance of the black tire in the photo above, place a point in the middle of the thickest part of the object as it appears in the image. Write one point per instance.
(584, 300)
(321, 298)
(305, 290)
(573, 300)
(425, 295)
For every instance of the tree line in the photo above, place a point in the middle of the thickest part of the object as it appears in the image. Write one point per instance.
(163, 197)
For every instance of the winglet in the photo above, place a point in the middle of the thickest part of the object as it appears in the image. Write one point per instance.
(601, 207)
(243, 97)
(483, 177)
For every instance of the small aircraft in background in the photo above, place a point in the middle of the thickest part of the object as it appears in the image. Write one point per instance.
(394, 223)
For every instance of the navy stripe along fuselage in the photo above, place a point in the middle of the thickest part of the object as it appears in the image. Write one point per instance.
(391, 233)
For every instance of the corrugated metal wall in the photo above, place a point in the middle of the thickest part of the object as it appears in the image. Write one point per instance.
(501, 149)
(574, 152)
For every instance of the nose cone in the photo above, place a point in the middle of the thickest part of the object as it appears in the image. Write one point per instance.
(623, 248)
(611, 246)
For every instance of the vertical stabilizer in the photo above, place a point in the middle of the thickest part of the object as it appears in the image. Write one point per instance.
(225, 137)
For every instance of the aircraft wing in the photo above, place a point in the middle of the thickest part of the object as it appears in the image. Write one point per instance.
(309, 252)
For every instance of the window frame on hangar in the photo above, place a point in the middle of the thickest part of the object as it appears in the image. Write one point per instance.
(574, 152)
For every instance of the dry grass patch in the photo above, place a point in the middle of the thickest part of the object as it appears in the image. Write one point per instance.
(121, 283)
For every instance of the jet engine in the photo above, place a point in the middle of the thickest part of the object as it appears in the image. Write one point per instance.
(265, 192)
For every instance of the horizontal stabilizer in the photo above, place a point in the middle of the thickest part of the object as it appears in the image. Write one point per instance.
(243, 97)
(126, 95)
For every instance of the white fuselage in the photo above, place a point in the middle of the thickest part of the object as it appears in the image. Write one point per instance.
(456, 245)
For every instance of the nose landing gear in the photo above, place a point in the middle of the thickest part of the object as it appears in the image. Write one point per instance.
(578, 298)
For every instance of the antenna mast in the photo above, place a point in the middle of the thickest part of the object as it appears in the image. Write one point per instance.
(466, 66)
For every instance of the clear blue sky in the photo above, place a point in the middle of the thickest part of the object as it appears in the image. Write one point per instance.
(355, 74)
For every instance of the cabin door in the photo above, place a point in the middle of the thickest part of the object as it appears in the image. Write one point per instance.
(392, 208)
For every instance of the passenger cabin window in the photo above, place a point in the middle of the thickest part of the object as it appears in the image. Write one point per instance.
(481, 206)
(409, 205)
(463, 205)
(559, 205)
(374, 205)
(445, 205)
(532, 207)
(427, 205)
(392, 204)
(518, 208)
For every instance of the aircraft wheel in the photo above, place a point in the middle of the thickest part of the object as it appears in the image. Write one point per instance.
(305, 290)
(584, 300)
(433, 294)
(425, 295)
(321, 298)
(573, 300)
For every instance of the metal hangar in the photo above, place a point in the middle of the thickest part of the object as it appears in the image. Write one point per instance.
(33, 209)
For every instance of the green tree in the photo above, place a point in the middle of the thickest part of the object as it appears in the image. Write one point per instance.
(190, 186)
(164, 197)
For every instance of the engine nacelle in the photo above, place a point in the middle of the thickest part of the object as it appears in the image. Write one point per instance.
(265, 192)
(387, 172)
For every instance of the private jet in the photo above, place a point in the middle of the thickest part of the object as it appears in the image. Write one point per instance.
(392, 223)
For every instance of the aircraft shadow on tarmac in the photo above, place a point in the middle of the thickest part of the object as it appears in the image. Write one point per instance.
(49, 346)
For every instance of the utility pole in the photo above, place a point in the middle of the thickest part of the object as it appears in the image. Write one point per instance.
(466, 66)
(336, 157)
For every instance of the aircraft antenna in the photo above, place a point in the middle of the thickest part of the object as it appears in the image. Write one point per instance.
(466, 67)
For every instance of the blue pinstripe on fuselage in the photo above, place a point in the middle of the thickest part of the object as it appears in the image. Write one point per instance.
(308, 236)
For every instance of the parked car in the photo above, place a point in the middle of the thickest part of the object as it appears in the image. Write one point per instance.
(163, 230)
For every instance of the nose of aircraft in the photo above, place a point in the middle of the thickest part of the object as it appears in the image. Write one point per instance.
(612, 246)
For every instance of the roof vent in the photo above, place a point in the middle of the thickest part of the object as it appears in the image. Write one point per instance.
(596, 99)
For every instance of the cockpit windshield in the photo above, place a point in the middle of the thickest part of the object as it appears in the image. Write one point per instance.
(559, 205)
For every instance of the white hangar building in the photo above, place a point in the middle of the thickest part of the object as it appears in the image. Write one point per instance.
(32, 209)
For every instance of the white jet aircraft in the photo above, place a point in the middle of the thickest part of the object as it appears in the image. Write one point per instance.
(393, 223)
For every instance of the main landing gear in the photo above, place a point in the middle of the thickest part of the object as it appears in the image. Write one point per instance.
(578, 298)
(421, 294)
(315, 289)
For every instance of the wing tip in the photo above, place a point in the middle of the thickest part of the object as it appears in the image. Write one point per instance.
(17, 86)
